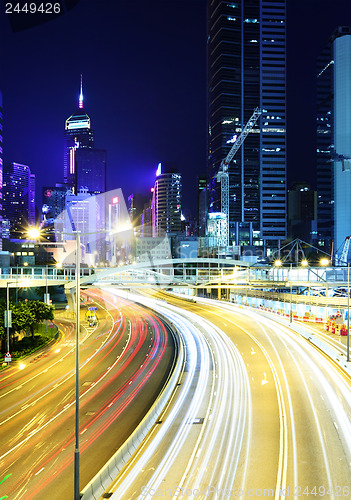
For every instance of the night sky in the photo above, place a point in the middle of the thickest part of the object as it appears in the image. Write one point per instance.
(144, 81)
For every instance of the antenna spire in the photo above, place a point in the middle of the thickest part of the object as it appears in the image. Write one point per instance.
(81, 93)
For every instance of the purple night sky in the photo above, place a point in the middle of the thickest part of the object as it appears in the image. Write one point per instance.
(144, 82)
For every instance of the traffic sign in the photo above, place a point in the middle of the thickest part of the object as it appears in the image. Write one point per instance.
(7, 357)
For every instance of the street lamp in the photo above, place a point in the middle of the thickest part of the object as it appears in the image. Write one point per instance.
(8, 316)
(76, 449)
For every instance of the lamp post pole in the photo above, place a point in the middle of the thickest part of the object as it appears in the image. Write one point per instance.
(46, 293)
(7, 317)
(76, 451)
(16, 282)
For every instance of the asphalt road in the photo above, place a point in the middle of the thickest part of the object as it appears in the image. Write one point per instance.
(265, 415)
(124, 362)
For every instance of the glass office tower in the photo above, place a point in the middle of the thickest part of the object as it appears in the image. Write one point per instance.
(247, 69)
(78, 135)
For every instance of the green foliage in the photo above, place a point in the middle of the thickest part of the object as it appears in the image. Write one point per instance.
(25, 316)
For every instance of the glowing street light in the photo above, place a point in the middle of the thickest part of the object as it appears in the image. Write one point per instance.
(324, 262)
(304, 263)
(33, 233)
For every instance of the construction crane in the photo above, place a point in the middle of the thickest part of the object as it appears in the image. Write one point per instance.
(344, 257)
(223, 175)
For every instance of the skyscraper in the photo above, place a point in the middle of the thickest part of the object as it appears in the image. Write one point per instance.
(78, 134)
(246, 69)
(324, 146)
(90, 167)
(166, 202)
(84, 166)
(334, 140)
(341, 47)
(18, 198)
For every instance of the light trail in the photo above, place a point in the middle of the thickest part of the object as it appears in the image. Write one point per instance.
(227, 412)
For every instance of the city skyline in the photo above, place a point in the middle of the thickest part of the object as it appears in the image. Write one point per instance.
(145, 92)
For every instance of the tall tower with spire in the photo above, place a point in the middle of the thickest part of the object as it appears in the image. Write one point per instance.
(78, 135)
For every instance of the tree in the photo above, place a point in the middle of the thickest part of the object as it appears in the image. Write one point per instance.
(22, 317)
(40, 312)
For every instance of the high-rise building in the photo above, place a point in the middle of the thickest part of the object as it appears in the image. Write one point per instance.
(54, 199)
(78, 135)
(90, 167)
(166, 202)
(302, 212)
(341, 46)
(247, 69)
(31, 208)
(202, 205)
(84, 166)
(334, 140)
(324, 147)
(18, 198)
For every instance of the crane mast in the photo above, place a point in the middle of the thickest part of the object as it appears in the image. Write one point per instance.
(223, 175)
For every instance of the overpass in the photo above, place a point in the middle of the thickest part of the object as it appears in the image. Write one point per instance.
(190, 273)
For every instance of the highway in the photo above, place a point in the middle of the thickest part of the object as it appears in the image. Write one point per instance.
(128, 353)
(259, 412)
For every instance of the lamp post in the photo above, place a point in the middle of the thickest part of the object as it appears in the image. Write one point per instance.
(8, 317)
(76, 450)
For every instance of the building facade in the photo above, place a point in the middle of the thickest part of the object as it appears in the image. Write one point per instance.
(84, 165)
(341, 47)
(78, 135)
(166, 203)
(246, 70)
(18, 198)
(90, 168)
(324, 147)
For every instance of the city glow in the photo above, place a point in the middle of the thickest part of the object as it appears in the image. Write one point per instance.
(324, 262)
(278, 263)
(304, 263)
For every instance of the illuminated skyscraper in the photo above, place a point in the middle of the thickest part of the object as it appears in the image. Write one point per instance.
(18, 198)
(166, 202)
(78, 135)
(334, 140)
(247, 69)
(324, 142)
(341, 51)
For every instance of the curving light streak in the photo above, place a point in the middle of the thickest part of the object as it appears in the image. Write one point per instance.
(227, 413)
(320, 365)
(121, 399)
